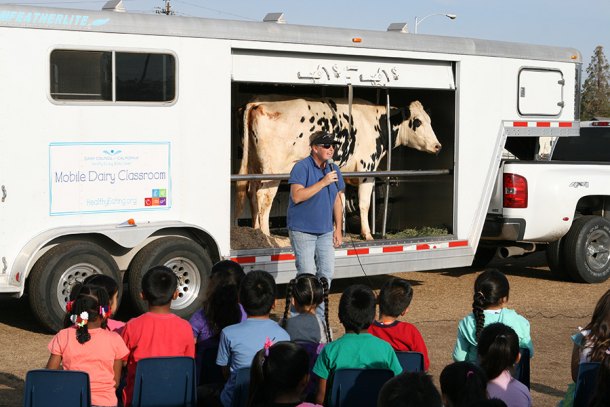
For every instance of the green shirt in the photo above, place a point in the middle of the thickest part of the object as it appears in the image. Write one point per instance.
(356, 351)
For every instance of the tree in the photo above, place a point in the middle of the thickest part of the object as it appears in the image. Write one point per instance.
(595, 97)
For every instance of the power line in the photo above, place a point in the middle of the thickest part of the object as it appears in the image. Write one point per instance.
(215, 10)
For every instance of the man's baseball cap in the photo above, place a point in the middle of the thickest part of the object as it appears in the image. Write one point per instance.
(322, 137)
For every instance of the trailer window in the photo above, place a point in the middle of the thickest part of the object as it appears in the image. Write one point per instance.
(144, 77)
(81, 75)
(89, 75)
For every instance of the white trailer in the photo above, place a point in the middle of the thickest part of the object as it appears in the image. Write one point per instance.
(119, 136)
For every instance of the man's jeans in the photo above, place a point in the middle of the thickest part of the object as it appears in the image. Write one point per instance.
(314, 254)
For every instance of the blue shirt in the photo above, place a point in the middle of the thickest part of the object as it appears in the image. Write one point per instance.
(315, 215)
(238, 345)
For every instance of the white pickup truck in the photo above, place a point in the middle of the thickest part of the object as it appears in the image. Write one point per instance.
(563, 200)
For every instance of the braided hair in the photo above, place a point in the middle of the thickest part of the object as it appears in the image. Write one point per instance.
(489, 289)
(308, 290)
(90, 303)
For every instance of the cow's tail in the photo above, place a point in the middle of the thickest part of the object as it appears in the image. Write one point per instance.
(241, 187)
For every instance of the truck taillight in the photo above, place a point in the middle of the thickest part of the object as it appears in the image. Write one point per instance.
(515, 191)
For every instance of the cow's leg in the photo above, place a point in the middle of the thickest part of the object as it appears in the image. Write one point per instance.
(253, 187)
(365, 189)
(265, 196)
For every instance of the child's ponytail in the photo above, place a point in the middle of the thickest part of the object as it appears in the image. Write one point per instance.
(90, 303)
(325, 293)
(289, 291)
(490, 287)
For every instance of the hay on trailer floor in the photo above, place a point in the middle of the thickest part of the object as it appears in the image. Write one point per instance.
(248, 238)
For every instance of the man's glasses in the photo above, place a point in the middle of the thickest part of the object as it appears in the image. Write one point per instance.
(327, 146)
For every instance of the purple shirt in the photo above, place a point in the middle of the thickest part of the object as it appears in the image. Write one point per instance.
(201, 329)
(509, 390)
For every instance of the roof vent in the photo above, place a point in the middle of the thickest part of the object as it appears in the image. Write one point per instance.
(114, 5)
(399, 27)
(275, 18)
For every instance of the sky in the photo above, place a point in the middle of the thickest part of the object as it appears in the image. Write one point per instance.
(582, 24)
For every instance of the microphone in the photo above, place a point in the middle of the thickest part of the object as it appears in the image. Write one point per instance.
(330, 164)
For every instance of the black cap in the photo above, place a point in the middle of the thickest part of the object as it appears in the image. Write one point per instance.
(322, 137)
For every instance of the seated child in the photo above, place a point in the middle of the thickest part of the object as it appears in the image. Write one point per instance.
(240, 342)
(88, 346)
(498, 353)
(490, 298)
(394, 300)
(410, 390)
(357, 348)
(279, 376)
(463, 384)
(157, 332)
(112, 288)
(305, 293)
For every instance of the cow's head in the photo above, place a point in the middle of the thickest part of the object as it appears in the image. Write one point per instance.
(416, 132)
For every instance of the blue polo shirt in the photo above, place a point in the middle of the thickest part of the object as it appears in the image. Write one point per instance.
(314, 215)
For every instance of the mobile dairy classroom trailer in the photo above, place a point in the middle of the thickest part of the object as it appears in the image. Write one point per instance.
(120, 141)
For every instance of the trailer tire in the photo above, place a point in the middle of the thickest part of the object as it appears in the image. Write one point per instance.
(55, 273)
(187, 259)
(555, 260)
(587, 249)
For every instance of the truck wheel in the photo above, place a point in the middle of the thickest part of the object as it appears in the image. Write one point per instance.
(186, 258)
(554, 258)
(55, 273)
(587, 249)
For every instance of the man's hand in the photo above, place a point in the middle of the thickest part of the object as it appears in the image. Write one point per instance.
(330, 178)
(337, 238)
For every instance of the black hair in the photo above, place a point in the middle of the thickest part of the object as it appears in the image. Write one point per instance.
(463, 383)
(221, 305)
(599, 327)
(159, 285)
(102, 280)
(601, 395)
(489, 289)
(307, 289)
(498, 349)
(414, 389)
(257, 293)
(357, 308)
(277, 371)
(91, 299)
(231, 267)
(394, 297)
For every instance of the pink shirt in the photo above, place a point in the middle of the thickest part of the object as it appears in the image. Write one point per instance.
(96, 357)
(115, 326)
(151, 335)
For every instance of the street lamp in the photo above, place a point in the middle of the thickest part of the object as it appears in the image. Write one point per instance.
(417, 21)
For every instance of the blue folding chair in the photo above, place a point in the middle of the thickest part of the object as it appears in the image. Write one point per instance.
(522, 369)
(241, 391)
(411, 361)
(586, 383)
(52, 388)
(165, 382)
(356, 387)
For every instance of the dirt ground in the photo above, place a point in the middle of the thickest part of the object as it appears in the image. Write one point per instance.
(555, 309)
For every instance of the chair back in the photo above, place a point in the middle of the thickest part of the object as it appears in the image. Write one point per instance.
(165, 381)
(356, 387)
(522, 369)
(207, 369)
(241, 391)
(52, 388)
(411, 361)
(586, 383)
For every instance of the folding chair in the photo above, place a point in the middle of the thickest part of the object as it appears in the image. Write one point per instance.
(411, 361)
(586, 383)
(52, 388)
(166, 382)
(356, 387)
(522, 369)
(241, 390)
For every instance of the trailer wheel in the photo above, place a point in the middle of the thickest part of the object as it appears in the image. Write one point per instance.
(587, 249)
(554, 258)
(55, 273)
(187, 259)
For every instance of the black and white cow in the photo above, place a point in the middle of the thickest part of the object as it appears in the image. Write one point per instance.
(276, 136)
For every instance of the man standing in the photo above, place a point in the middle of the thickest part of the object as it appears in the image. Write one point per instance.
(315, 207)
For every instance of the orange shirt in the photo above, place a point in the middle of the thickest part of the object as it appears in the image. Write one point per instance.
(96, 357)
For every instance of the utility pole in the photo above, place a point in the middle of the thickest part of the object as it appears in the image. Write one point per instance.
(167, 10)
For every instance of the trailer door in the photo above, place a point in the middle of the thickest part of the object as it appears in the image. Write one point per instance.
(540, 92)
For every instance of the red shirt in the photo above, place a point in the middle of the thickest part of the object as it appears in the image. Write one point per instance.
(403, 337)
(151, 335)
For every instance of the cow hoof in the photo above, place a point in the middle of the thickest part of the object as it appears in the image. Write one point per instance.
(367, 237)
